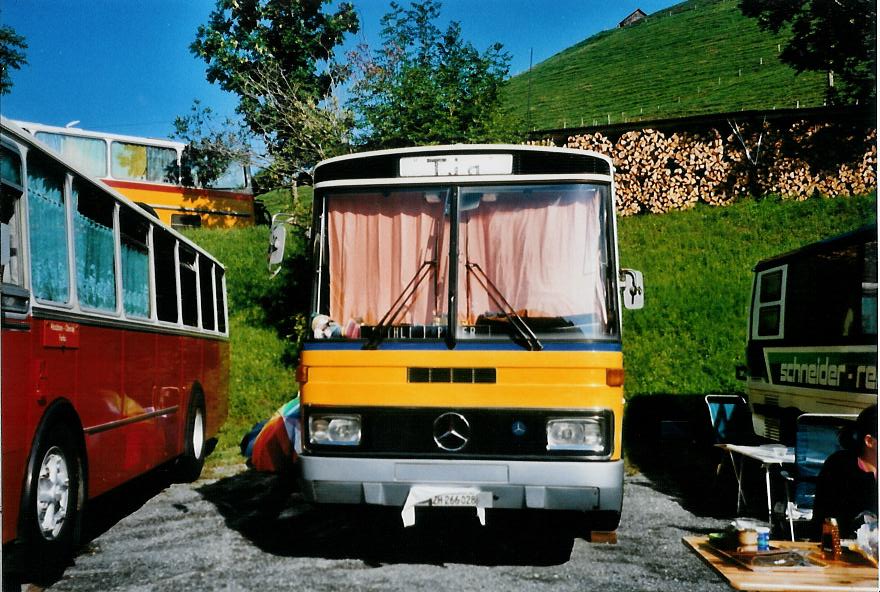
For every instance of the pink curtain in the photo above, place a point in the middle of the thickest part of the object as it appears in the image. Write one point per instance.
(542, 253)
(377, 245)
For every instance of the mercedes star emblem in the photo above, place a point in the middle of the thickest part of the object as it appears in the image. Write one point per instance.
(451, 431)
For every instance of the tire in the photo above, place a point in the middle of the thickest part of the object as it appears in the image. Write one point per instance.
(189, 464)
(52, 505)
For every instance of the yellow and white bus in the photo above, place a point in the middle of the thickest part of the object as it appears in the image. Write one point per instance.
(149, 172)
(465, 345)
(812, 344)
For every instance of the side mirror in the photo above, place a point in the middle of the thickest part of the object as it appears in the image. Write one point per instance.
(277, 240)
(633, 289)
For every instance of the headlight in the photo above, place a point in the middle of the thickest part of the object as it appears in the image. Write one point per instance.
(585, 434)
(340, 430)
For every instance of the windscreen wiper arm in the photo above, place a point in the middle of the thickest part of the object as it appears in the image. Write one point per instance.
(380, 330)
(498, 299)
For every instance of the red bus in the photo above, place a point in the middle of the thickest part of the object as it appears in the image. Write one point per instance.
(115, 352)
(150, 171)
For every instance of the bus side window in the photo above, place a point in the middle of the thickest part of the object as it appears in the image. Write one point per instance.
(134, 232)
(206, 292)
(166, 278)
(88, 154)
(221, 302)
(95, 247)
(189, 291)
(10, 218)
(769, 304)
(50, 275)
(138, 162)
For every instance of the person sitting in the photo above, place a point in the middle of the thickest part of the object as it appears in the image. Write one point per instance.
(847, 485)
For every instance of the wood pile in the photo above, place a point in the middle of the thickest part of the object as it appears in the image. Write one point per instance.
(658, 172)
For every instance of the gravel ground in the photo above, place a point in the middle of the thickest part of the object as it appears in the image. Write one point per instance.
(247, 531)
(243, 530)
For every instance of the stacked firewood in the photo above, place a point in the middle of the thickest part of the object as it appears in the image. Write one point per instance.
(801, 174)
(659, 172)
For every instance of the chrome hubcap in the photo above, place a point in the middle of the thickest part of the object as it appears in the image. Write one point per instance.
(198, 434)
(53, 491)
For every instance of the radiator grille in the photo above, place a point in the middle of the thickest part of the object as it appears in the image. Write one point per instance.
(457, 375)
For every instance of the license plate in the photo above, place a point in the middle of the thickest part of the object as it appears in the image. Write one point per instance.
(455, 499)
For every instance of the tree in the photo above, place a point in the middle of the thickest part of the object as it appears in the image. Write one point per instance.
(834, 36)
(278, 57)
(211, 145)
(426, 87)
(12, 56)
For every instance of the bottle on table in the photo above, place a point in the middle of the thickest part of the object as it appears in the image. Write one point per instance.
(831, 539)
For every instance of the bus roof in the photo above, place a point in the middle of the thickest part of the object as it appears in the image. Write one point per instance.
(75, 131)
(858, 236)
(523, 160)
(9, 127)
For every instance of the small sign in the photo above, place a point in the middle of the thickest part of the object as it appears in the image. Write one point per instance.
(60, 334)
(450, 165)
(455, 500)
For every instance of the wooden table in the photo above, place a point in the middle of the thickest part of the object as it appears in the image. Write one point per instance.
(837, 576)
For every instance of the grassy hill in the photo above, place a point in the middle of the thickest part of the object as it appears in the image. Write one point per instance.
(697, 265)
(687, 340)
(700, 56)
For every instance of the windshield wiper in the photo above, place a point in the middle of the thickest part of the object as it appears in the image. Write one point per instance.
(498, 299)
(380, 330)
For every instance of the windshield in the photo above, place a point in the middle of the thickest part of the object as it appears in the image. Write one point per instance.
(531, 264)
(536, 253)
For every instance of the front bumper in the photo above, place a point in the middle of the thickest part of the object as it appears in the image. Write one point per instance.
(568, 485)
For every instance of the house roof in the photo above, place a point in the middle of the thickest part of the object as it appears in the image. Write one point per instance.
(635, 15)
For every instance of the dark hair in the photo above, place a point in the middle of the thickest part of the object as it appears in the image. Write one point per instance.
(866, 423)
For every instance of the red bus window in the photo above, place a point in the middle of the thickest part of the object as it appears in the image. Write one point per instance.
(206, 291)
(94, 246)
(10, 225)
(221, 304)
(50, 276)
(166, 278)
(134, 231)
(188, 287)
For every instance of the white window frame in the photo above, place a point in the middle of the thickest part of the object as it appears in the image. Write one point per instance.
(758, 304)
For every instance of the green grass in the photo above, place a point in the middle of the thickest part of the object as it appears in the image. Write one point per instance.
(261, 374)
(697, 57)
(687, 340)
(281, 200)
(697, 266)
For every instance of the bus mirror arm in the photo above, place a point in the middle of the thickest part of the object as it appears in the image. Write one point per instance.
(632, 287)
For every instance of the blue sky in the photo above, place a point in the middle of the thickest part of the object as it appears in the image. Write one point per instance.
(124, 66)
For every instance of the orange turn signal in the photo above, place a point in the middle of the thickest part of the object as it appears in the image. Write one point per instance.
(614, 376)
(302, 374)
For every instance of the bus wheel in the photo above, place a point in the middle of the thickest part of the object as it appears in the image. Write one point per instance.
(51, 510)
(189, 465)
